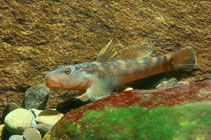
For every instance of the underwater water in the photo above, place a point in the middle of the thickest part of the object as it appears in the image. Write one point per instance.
(37, 37)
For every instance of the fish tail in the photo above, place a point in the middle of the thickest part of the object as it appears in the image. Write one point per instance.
(184, 59)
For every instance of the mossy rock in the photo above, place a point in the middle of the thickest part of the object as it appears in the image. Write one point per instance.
(188, 121)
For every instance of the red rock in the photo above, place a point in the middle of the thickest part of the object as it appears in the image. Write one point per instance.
(200, 91)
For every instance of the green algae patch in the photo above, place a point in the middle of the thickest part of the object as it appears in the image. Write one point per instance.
(189, 121)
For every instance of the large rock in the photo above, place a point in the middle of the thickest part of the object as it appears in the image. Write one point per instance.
(18, 120)
(135, 123)
(125, 115)
(36, 97)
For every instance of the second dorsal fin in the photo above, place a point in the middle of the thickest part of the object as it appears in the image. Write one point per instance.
(136, 52)
(107, 54)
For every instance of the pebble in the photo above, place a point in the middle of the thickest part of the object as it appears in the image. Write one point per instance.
(10, 107)
(18, 120)
(32, 134)
(172, 82)
(33, 123)
(128, 89)
(36, 112)
(6, 134)
(16, 137)
(43, 129)
(49, 117)
(1, 130)
(36, 97)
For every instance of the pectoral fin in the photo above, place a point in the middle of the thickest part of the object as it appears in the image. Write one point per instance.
(107, 54)
(136, 52)
(99, 89)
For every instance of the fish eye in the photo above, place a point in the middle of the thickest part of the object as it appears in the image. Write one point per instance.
(67, 71)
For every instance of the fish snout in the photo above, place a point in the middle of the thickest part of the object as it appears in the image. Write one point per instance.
(51, 81)
(47, 75)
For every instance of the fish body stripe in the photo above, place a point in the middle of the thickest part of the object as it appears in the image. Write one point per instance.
(127, 70)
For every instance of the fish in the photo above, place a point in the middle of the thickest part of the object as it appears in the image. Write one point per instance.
(97, 79)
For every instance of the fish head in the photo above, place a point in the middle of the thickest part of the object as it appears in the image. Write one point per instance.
(67, 77)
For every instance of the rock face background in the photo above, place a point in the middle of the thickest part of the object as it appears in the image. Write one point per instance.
(38, 36)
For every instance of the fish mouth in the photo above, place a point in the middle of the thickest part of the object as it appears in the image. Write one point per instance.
(52, 82)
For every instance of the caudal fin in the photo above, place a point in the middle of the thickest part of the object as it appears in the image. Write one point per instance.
(183, 59)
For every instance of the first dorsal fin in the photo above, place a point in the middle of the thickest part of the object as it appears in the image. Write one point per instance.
(107, 54)
(136, 52)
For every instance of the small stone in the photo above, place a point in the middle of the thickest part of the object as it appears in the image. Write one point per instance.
(36, 112)
(128, 89)
(41, 41)
(33, 123)
(49, 117)
(32, 134)
(16, 137)
(36, 97)
(173, 82)
(43, 129)
(6, 134)
(18, 120)
(1, 130)
(10, 107)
